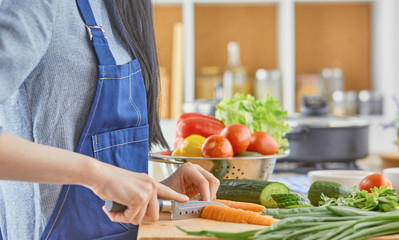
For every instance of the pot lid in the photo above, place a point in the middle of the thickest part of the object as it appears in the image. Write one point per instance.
(326, 121)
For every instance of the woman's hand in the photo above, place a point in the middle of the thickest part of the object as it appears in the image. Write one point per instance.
(191, 179)
(22, 160)
(137, 191)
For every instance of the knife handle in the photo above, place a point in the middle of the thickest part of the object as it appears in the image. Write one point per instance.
(112, 206)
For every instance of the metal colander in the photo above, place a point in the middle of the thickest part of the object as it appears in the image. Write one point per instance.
(259, 167)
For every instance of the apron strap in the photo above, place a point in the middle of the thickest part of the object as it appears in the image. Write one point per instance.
(96, 33)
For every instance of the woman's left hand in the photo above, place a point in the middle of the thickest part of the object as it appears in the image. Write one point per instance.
(191, 179)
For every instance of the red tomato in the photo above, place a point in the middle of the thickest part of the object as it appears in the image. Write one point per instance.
(238, 135)
(263, 143)
(217, 146)
(374, 180)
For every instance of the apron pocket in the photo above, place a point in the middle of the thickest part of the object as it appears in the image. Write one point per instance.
(125, 148)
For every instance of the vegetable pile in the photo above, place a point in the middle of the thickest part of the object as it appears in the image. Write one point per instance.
(199, 135)
(321, 223)
(241, 124)
(373, 193)
(368, 210)
(258, 115)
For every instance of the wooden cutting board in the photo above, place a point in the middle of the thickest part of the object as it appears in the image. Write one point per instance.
(166, 229)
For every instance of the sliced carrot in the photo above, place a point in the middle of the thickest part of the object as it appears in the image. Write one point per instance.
(206, 212)
(229, 214)
(223, 216)
(242, 205)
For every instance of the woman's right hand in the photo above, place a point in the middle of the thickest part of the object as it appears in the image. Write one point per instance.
(137, 191)
(22, 160)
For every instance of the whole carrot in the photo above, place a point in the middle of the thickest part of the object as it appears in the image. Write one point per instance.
(242, 205)
(228, 214)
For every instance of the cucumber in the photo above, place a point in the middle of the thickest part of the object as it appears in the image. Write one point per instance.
(329, 189)
(247, 190)
(285, 200)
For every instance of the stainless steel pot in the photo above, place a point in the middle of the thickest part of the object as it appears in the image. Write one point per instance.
(327, 139)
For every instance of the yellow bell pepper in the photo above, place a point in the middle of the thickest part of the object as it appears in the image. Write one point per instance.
(190, 146)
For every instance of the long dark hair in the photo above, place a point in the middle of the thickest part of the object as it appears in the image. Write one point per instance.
(136, 27)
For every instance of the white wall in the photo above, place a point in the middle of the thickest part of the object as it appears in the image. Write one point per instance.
(385, 70)
(385, 51)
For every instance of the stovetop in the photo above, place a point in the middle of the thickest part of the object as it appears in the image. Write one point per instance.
(304, 167)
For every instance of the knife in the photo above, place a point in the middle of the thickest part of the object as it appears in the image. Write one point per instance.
(177, 210)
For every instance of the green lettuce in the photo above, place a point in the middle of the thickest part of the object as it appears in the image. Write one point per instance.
(380, 199)
(258, 115)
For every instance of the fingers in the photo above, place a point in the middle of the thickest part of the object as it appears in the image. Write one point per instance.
(133, 214)
(126, 216)
(164, 192)
(141, 201)
(212, 181)
(192, 179)
(201, 180)
(152, 213)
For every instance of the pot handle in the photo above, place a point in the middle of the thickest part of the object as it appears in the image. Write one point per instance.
(297, 133)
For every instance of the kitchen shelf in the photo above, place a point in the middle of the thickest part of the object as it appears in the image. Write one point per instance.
(383, 44)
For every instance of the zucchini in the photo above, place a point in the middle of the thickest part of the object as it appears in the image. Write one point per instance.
(329, 189)
(247, 190)
(285, 200)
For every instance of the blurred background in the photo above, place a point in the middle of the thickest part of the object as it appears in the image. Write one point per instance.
(346, 50)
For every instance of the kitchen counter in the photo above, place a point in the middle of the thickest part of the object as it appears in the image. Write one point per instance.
(380, 141)
(166, 229)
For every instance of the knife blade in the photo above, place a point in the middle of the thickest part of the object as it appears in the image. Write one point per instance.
(177, 210)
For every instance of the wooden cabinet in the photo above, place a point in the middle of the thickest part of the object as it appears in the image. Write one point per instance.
(295, 36)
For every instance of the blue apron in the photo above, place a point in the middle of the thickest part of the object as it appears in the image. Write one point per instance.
(115, 132)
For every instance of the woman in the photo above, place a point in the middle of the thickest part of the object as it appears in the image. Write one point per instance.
(78, 94)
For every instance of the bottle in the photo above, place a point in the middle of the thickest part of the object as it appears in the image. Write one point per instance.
(235, 77)
(267, 82)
